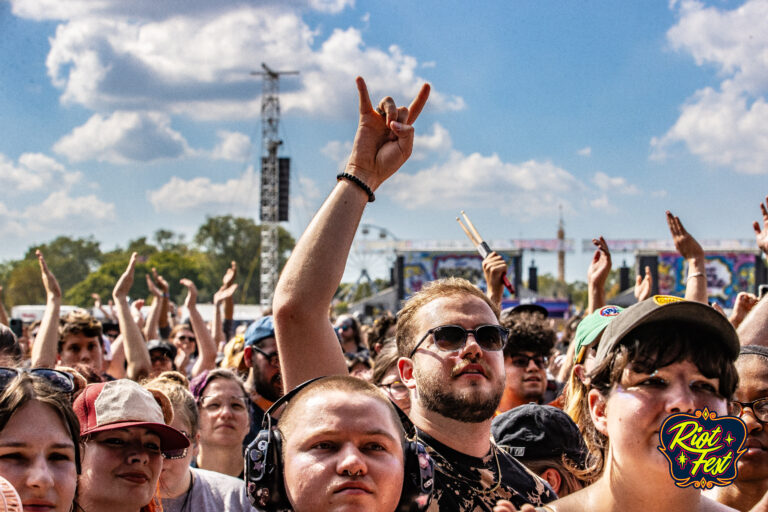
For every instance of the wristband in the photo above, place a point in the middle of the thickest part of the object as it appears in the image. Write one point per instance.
(357, 181)
(167, 295)
(696, 274)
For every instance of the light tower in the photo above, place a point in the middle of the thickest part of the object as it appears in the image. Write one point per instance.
(272, 211)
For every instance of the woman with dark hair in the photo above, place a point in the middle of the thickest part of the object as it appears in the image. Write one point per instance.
(40, 462)
(348, 331)
(659, 357)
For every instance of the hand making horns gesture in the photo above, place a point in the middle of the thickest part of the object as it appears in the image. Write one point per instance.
(384, 138)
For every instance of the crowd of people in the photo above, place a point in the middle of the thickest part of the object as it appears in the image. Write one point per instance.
(448, 404)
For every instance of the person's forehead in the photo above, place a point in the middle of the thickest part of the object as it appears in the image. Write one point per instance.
(339, 411)
(753, 375)
(222, 387)
(80, 339)
(467, 311)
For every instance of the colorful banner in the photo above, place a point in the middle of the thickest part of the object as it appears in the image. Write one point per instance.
(728, 273)
(421, 267)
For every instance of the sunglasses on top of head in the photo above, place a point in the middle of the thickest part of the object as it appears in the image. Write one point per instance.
(449, 338)
(62, 381)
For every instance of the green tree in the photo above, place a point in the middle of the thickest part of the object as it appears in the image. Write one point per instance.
(227, 238)
(171, 266)
(167, 240)
(24, 285)
(70, 260)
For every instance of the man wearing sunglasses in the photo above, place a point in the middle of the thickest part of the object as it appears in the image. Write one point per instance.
(526, 356)
(448, 335)
(263, 384)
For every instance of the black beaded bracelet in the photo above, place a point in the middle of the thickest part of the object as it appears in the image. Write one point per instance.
(357, 181)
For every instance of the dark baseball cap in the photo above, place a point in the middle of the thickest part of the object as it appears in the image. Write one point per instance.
(162, 345)
(666, 308)
(535, 432)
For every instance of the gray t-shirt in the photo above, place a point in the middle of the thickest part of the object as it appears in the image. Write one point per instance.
(211, 492)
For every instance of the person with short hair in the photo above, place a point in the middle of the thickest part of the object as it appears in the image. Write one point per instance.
(448, 335)
(264, 383)
(342, 460)
(526, 356)
(750, 403)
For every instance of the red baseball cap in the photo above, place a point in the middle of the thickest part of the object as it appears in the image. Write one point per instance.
(123, 403)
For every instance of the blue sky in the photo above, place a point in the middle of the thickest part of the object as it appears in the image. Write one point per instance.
(120, 118)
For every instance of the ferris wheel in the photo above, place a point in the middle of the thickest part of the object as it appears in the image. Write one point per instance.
(372, 253)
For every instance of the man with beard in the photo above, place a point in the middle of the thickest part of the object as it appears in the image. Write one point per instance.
(448, 335)
(263, 383)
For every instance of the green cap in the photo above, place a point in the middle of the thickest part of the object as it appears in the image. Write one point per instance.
(590, 328)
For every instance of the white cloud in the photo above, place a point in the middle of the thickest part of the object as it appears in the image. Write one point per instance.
(35, 171)
(58, 212)
(617, 184)
(198, 62)
(528, 189)
(331, 6)
(604, 204)
(721, 128)
(338, 152)
(123, 137)
(232, 146)
(179, 195)
(438, 141)
(724, 127)
(587, 151)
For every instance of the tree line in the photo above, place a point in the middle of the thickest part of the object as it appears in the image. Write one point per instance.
(83, 268)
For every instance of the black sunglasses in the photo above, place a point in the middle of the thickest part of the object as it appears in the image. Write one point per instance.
(522, 361)
(759, 408)
(62, 381)
(272, 357)
(453, 337)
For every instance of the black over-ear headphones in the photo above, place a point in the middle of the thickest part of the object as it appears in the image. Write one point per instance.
(264, 467)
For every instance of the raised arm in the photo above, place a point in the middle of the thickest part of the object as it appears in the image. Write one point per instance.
(597, 275)
(383, 142)
(138, 364)
(494, 270)
(206, 348)
(219, 298)
(45, 347)
(229, 302)
(754, 329)
(99, 306)
(643, 285)
(689, 248)
(153, 319)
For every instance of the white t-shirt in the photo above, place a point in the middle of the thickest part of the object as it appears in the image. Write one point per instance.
(211, 492)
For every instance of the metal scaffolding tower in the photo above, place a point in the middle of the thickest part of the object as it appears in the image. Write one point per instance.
(270, 141)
